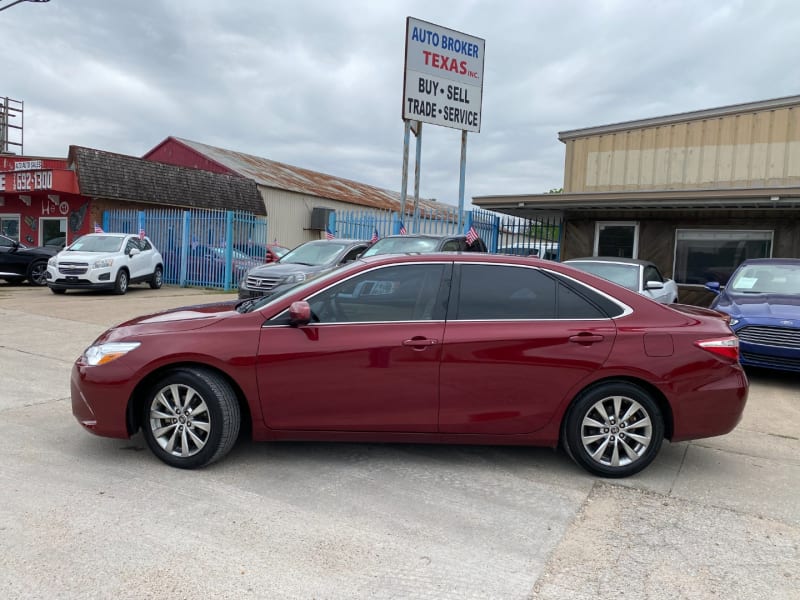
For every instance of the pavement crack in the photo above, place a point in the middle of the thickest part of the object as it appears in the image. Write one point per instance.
(37, 355)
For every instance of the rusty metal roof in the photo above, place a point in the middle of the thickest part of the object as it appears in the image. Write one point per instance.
(270, 173)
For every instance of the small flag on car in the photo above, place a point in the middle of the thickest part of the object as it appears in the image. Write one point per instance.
(402, 229)
(375, 237)
(472, 236)
(98, 229)
(141, 233)
(329, 234)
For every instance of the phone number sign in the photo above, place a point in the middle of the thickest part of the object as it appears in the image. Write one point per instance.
(443, 76)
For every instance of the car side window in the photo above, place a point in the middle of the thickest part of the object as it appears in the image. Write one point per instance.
(505, 292)
(352, 254)
(145, 245)
(394, 293)
(451, 246)
(130, 245)
(652, 274)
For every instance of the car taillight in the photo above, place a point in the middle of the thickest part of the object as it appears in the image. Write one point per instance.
(727, 347)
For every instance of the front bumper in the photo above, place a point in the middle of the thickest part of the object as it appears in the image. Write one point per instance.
(92, 279)
(98, 407)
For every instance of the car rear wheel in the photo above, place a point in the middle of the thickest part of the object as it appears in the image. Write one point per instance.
(37, 271)
(157, 280)
(191, 418)
(614, 430)
(121, 282)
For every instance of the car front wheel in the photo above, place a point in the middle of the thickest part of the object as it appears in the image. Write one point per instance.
(614, 430)
(37, 271)
(121, 282)
(157, 280)
(191, 418)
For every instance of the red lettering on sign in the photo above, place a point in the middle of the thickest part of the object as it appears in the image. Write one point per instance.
(438, 61)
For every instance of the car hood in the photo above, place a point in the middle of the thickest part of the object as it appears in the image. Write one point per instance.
(88, 257)
(279, 269)
(777, 306)
(184, 318)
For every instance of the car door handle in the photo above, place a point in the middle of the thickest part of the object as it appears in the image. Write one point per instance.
(586, 338)
(420, 343)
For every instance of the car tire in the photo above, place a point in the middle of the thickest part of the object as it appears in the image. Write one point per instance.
(191, 418)
(157, 280)
(58, 290)
(36, 272)
(121, 282)
(614, 429)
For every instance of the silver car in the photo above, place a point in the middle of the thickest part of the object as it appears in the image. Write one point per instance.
(638, 275)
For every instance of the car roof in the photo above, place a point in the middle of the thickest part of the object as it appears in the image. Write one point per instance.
(772, 261)
(430, 236)
(612, 259)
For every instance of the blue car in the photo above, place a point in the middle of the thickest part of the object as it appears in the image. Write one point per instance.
(762, 298)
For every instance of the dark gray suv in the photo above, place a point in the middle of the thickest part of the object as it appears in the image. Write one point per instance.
(423, 244)
(304, 262)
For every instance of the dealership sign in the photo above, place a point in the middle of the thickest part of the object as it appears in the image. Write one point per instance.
(443, 76)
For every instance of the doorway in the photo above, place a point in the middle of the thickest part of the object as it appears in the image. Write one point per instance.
(53, 231)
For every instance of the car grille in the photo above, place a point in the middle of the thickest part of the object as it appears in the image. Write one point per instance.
(68, 268)
(780, 337)
(766, 360)
(263, 284)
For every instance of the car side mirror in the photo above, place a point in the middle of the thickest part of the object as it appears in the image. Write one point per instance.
(134, 252)
(300, 313)
(713, 286)
(654, 285)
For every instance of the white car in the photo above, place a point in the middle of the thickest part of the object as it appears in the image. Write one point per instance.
(638, 275)
(105, 261)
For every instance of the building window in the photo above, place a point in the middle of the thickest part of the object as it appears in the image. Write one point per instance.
(9, 226)
(618, 239)
(703, 255)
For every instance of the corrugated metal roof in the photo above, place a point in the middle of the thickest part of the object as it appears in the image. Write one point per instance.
(270, 173)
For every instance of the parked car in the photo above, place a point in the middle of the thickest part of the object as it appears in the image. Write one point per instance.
(105, 261)
(546, 250)
(266, 253)
(763, 300)
(641, 276)
(19, 263)
(421, 242)
(307, 261)
(445, 347)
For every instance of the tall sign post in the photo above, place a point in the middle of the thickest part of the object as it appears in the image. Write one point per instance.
(443, 85)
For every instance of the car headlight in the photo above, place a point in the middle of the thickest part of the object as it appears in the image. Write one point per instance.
(103, 262)
(102, 354)
(295, 278)
(52, 262)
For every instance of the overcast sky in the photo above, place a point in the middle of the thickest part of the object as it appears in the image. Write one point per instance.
(318, 84)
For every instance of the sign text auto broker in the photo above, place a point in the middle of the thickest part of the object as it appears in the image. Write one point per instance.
(444, 76)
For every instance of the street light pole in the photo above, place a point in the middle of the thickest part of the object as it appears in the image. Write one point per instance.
(18, 1)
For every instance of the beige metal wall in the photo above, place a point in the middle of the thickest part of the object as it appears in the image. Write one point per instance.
(289, 215)
(754, 149)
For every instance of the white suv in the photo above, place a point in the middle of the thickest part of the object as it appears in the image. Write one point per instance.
(105, 261)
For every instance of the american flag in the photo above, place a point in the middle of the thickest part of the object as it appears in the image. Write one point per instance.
(98, 229)
(402, 229)
(329, 234)
(472, 236)
(375, 237)
(141, 233)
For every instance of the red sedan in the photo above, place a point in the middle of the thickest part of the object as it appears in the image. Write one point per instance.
(450, 348)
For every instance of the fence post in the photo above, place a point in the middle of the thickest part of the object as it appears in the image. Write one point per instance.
(141, 222)
(332, 222)
(495, 234)
(185, 242)
(106, 221)
(228, 249)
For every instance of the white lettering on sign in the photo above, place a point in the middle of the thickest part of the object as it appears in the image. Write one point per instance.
(444, 76)
(27, 165)
(38, 180)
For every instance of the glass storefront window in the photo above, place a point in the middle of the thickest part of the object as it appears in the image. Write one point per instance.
(618, 239)
(9, 226)
(703, 255)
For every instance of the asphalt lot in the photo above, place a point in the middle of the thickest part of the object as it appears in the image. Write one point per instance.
(88, 517)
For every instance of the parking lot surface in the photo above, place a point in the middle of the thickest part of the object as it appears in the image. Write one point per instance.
(89, 517)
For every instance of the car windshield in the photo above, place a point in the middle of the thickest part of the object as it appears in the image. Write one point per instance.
(400, 245)
(97, 243)
(314, 253)
(767, 279)
(624, 275)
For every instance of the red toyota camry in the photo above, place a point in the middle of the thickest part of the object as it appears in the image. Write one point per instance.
(451, 348)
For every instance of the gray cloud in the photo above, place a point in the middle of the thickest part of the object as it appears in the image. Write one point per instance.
(318, 84)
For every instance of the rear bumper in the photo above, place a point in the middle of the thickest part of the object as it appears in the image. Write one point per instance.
(713, 409)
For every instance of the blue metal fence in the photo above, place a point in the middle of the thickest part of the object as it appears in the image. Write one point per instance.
(502, 233)
(204, 248)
